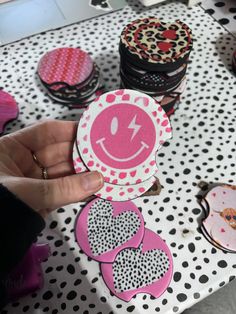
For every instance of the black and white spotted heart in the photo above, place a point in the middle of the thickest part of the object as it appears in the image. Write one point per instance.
(106, 232)
(133, 269)
(109, 227)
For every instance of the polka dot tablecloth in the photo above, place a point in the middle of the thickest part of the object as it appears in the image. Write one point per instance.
(203, 148)
(224, 12)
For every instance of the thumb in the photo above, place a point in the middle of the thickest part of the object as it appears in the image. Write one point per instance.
(46, 195)
(70, 189)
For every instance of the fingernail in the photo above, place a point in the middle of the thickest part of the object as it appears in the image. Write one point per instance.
(91, 181)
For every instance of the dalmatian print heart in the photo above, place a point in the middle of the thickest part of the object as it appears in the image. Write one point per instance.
(108, 227)
(147, 269)
(132, 264)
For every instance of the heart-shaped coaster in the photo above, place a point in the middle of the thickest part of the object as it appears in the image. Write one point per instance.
(155, 45)
(8, 109)
(220, 223)
(147, 269)
(119, 135)
(112, 191)
(104, 228)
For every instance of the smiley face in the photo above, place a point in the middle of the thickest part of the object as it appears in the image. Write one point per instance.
(123, 136)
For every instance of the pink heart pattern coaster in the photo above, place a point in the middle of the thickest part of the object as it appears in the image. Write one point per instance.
(8, 109)
(147, 269)
(104, 228)
(220, 224)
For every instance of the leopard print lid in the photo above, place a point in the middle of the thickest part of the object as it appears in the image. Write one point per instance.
(156, 45)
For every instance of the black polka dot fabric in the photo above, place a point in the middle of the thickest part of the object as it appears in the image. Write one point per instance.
(106, 232)
(202, 149)
(223, 11)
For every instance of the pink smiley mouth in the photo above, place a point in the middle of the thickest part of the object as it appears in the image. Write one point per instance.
(143, 146)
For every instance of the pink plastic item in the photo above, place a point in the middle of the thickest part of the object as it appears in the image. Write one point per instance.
(27, 277)
(104, 228)
(8, 109)
(111, 191)
(119, 135)
(72, 66)
(147, 269)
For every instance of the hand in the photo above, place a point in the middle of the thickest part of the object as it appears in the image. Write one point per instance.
(52, 143)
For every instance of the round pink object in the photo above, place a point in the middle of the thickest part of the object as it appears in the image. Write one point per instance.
(72, 66)
(120, 136)
(147, 269)
(104, 228)
(8, 109)
(220, 223)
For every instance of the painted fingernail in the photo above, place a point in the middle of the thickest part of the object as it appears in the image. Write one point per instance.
(91, 181)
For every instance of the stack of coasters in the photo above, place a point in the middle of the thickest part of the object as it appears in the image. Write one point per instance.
(70, 76)
(133, 259)
(8, 109)
(219, 225)
(119, 135)
(154, 57)
(234, 62)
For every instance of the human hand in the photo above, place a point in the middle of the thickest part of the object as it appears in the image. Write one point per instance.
(51, 142)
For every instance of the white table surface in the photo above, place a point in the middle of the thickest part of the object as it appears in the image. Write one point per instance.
(203, 148)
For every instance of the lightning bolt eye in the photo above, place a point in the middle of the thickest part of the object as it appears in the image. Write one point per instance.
(133, 125)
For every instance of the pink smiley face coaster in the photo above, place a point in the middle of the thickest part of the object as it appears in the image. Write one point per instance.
(119, 135)
(8, 109)
(113, 192)
(146, 269)
(219, 227)
(104, 228)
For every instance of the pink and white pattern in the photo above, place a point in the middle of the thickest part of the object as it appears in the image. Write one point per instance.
(221, 221)
(119, 135)
(66, 65)
(112, 191)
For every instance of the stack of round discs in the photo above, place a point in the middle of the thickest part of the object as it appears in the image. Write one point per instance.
(154, 57)
(70, 76)
(119, 135)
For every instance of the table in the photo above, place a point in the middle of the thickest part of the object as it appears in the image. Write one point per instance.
(203, 148)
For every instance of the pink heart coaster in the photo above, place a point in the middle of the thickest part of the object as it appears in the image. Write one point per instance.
(120, 133)
(8, 109)
(147, 269)
(111, 191)
(220, 223)
(104, 228)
